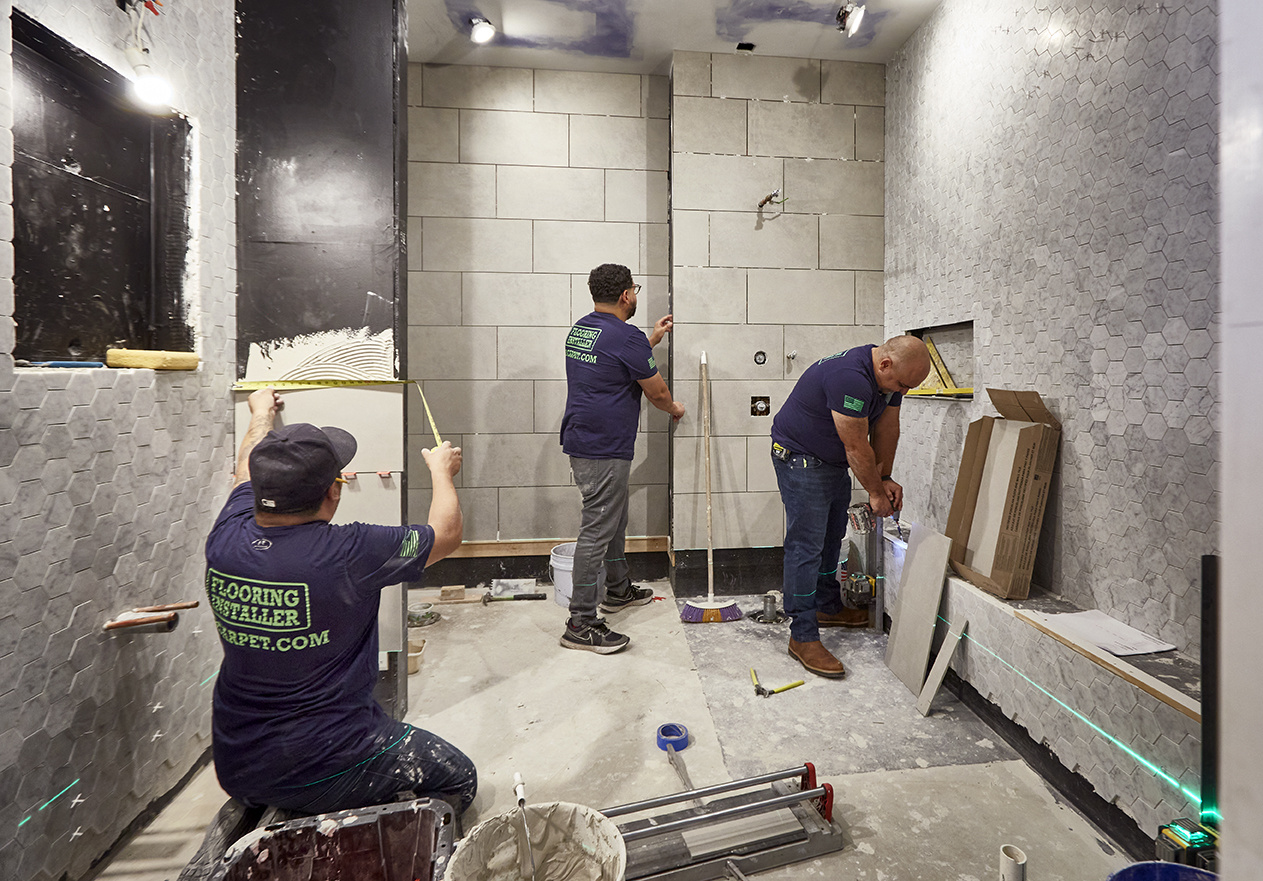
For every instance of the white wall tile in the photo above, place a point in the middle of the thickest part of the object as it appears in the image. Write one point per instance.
(743, 239)
(433, 298)
(813, 342)
(452, 352)
(532, 352)
(690, 238)
(476, 407)
(852, 242)
(729, 351)
(479, 510)
(772, 79)
(509, 298)
(511, 138)
(573, 246)
(831, 186)
(619, 142)
(648, 511)
(540, 193)
(433, 133)
(709, 125)
(656, 96)
(637, 196)
(690, 73)
(550, 405)
(484, 88)
(801, 296)
(533, 460)
(818, 131)
(651, 457)
(447, 189)
(760, 473)
(727, 464)
(540, 511)
(476, 245)
(724, 183)
(870, 298)
(739, 520)
(870, 133)
(711, 296)
(851, 82)
(655, 251)
(602, 94)
(730, 413)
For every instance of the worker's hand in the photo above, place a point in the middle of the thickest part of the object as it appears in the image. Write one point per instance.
(264, 400)
(880, 503)
(894, 492)
(661, 328)
(676, 411)
(443, 459)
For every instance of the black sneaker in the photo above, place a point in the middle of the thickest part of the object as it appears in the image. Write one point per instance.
(635, 596)
(594, 637)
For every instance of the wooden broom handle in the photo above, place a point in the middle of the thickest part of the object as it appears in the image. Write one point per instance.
(710, 549)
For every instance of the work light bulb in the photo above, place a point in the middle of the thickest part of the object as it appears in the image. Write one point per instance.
(482, 30)
(149, 88)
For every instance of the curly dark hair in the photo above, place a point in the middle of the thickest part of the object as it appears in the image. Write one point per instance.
(607, 282)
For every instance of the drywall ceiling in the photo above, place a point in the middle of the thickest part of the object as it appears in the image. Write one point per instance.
(638, 36)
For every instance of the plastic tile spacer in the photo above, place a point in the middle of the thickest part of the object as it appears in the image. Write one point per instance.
(384, 475)
(673, 735)
(348, 475)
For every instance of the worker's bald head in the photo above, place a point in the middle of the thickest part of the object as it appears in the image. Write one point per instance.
(901, 363)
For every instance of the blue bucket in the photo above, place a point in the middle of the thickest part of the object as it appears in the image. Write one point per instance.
(1161, 871)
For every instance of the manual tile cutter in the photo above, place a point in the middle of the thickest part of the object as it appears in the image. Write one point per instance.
(762, 828)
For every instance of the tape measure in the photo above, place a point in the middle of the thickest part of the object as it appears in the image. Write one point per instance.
(294, 384)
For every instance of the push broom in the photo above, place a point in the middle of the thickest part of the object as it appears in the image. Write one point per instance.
(710, 611)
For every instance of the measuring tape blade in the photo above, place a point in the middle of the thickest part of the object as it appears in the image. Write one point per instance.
(295, 384)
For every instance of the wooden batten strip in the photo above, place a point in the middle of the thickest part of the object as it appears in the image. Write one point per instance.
(543, 547)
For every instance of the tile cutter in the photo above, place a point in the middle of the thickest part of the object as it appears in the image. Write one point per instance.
(780, 818)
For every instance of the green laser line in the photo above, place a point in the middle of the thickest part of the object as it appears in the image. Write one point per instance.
(1157, 771)
(24, 822)
(210, 677)
(58, 795)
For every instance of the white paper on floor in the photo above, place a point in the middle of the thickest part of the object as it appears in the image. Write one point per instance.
(1096, 628)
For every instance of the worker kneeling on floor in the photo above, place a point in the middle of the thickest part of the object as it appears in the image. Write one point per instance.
(844, 410)
(295, 600)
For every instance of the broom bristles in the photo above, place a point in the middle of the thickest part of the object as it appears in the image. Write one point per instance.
(697, 612)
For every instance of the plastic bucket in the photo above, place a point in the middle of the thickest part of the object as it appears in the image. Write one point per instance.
(561, 560)
(565, 840)
(1161, 871)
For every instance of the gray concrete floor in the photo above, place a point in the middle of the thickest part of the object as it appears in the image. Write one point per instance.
(918, 798)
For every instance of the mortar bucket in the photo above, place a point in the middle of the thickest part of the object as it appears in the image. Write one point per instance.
(1161, 871)
(569, 842)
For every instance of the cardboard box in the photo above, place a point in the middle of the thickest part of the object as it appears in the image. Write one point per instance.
(998, 505)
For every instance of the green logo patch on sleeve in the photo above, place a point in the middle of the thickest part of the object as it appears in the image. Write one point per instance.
(850, 403)
(653, 365)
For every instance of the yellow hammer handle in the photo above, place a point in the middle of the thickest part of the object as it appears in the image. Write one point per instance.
(788, 687)
(754, 677)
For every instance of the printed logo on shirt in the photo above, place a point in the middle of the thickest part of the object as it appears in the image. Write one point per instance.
(831, 357)
(653, 365)
(580, 342)
(241, 605)
(411, 544)
(261, 544)
(850, 403)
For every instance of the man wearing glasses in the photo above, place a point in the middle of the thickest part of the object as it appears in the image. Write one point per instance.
(609, 363)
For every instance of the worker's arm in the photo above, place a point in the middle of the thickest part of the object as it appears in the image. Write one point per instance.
(263, 406)
(445, 517)
(660, 396)
(885, 438)
(661, 328)
(853, 430)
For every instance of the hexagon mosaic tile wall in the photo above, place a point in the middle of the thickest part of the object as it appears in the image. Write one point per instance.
(1052, 177)
(109, 482)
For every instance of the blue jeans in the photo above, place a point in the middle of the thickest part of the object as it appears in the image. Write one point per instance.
(407, 758)
(816, 496)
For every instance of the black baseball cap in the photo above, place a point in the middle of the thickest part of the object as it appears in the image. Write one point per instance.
(293, 466)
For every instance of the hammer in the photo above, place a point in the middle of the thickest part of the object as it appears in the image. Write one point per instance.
(762, 691)
(488, 598)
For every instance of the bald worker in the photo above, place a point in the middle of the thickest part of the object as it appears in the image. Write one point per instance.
(844, 410)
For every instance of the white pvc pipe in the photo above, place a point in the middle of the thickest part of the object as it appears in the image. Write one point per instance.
(1012, 863)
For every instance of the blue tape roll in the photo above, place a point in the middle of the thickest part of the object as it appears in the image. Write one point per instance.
(672, 735)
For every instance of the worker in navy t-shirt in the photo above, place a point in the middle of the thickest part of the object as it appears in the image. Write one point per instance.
(609, 363)
(295, 600)
(844, 410)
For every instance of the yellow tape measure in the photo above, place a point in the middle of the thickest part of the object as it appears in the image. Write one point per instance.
(294, 384)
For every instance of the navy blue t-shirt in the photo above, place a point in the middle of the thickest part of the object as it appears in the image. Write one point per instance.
(844, 383)
(605, 358)
(296, 610)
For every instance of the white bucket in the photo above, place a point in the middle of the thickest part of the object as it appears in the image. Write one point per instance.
(562, 562)
(566, 840)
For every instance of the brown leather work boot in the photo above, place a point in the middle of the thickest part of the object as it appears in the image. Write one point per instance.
(845, 618)
(816, 658)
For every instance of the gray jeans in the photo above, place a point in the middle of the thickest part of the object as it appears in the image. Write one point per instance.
(602, 532)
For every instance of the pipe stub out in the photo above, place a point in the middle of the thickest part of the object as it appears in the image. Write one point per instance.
(673, 735)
